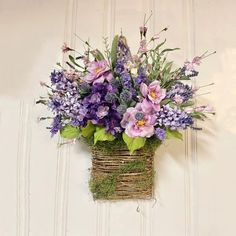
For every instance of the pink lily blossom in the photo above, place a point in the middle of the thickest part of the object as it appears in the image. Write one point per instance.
(154, 93)
(98, 72)
(137, 122)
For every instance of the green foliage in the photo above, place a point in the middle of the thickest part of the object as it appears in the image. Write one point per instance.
(97, 55)
(187, 104)
(114, 50)
(107, 147)
(88, 130)
(165, 101)
(169, 50)
(101, 135)
(133, 144)
(198, 115)
(174, 134)
(70, 132)
(72, 59)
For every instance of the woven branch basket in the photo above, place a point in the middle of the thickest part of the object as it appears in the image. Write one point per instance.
(120, 175)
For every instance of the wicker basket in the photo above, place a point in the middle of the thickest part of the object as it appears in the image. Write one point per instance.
(120, 175)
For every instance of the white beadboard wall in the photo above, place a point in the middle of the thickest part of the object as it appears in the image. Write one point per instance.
(44, 189)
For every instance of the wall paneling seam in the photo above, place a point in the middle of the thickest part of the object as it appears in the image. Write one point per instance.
(23, 170)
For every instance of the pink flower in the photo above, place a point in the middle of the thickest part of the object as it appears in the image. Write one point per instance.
(72, 75)
(98, 72)
(137, 122)
(178, 99)
(143, 46)
(65, 48)
(191, 65)
(154, 93)
(205, 109)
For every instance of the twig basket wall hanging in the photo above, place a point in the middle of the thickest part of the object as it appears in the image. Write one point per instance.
(124, 106)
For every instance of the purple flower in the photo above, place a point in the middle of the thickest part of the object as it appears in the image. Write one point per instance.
(56, 76)
(102, 111)
(110, 98)
(180, 93)
(56, 125)
(173, 118)
(126, 96)
(142, 77)
(121, 109)
(119, 68)
(95, 98)
(126, 80)
(160, 133)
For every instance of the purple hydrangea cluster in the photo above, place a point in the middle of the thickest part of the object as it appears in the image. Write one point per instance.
(180, 92)
(173, 118)
(101, 107)
(84, 102)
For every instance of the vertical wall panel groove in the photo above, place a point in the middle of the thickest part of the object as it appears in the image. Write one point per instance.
(23, 170)
(191, 135)
(63, 153)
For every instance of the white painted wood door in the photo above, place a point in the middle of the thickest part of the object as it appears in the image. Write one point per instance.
(44, 190)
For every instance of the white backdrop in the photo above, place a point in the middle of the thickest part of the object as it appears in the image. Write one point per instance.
(44, 190)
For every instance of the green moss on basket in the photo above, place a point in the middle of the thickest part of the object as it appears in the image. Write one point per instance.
(104, 187)
(147, 180)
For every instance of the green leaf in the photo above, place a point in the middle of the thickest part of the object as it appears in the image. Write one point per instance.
(165, 101)
(97, 55)
(72, 59)
(169, 50)
(159, 45)
(102, 135)
(187, 104)
(133, 144)
(114, 50)
(198, 115)
(173, 134)
(68, 63)
(69, 132)
(88, 130)
(183, 77)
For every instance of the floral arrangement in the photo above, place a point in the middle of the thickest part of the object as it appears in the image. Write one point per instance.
(117, 96)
